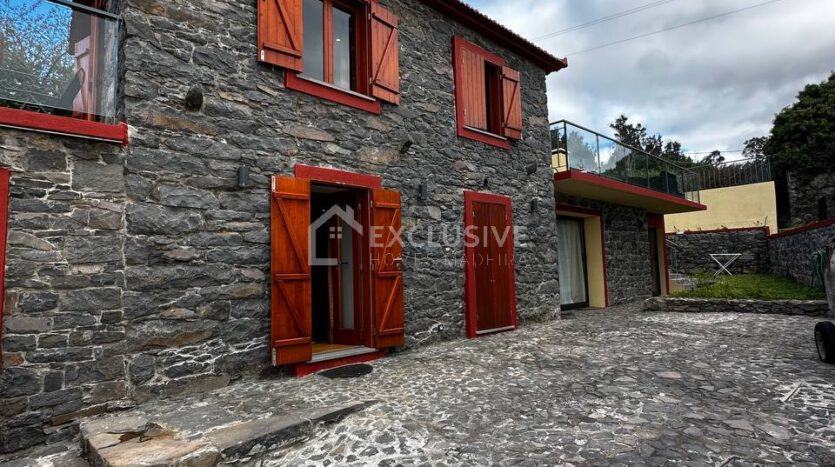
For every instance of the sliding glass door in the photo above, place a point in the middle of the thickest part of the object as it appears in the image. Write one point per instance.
(574, 292)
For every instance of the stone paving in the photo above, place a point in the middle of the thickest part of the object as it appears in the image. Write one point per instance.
(602, 387)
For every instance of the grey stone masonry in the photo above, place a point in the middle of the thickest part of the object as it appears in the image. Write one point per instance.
(770, 307)
(142, 271)
(626, 242)
(804, 196)
(64, 330)
(690, 252)
(793, 253)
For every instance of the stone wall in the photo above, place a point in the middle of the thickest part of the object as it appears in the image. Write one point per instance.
(144, 271)
(792, 252)
(804, 196)
(772, 307)
(690, 252)
(64, 330)
(627, 248)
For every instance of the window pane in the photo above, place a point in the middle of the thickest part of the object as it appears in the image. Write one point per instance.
(314, 39)
(57, 60)
(343, 49)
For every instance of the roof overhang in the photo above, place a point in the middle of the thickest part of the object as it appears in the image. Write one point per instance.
(496, 32)
(591, 186)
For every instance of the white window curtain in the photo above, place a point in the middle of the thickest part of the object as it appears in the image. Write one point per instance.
(572, 268)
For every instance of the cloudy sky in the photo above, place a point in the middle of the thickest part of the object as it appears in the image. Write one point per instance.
(711, 85)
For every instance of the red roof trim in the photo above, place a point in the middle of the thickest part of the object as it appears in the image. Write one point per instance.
(804, 228)
(627, 187)
(487, 27)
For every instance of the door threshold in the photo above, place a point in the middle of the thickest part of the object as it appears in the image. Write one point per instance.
(495, 330)
(335, 354)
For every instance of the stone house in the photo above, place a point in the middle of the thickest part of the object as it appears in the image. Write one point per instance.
(162, 177)
(197, 190)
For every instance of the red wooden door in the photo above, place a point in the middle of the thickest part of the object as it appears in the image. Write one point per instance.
(387, 261)
(290, 289)
(491, 283)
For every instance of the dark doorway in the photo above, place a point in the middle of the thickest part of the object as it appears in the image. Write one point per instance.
(338, 271)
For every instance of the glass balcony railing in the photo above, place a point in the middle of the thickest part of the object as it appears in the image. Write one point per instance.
(59, 57)
(581, 149)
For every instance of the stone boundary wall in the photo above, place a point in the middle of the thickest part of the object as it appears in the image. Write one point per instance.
(791, 252)
(768, 307)
(690, 251)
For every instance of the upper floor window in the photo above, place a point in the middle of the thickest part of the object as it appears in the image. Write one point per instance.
(60, 60)
(488, 96)
(332, 43)
(345, 51)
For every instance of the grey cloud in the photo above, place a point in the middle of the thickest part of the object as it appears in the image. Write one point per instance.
(711, 85)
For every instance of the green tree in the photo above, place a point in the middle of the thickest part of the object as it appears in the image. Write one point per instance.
(803, 136)
(34, 38)
(755, 148)
(638, 136)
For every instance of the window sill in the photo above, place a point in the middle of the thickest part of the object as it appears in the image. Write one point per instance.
(64, 126)
(327, 91)
(483, 137)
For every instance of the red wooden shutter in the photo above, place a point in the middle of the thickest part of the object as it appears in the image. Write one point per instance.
(472, 82)
(280, 36)
(387, 258)
(385, 54)
(290, 291)
(512, 99)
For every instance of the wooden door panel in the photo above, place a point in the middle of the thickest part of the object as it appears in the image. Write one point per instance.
(499, 237)
(484, 274)
(491, 285)
(291, 308)
(387, 261)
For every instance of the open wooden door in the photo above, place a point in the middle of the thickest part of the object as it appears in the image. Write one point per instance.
(387, 262)
(290, 291)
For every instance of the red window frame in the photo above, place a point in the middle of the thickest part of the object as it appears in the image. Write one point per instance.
(82, 125)
(459, 44)
(359, 98)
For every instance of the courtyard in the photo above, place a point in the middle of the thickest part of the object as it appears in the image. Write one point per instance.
(616, 386)
(602, 387)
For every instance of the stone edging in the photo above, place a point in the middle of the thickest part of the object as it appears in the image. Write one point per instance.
(712, 305)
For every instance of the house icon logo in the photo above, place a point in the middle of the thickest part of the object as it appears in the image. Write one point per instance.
(346, 218)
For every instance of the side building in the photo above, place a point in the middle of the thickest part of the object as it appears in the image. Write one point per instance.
(611, 200)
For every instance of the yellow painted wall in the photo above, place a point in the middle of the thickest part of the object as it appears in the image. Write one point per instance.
(594, 262)
(734, 207)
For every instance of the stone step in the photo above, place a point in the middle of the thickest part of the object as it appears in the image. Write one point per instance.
(135, 440)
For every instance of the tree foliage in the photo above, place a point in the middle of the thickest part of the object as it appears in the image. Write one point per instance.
(803, 136)
(638, 136)
(33, 49)
(755, 148)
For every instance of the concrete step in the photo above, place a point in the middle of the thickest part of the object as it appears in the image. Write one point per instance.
(136, 440)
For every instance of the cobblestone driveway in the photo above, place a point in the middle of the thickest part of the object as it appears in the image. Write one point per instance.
(604, 387)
